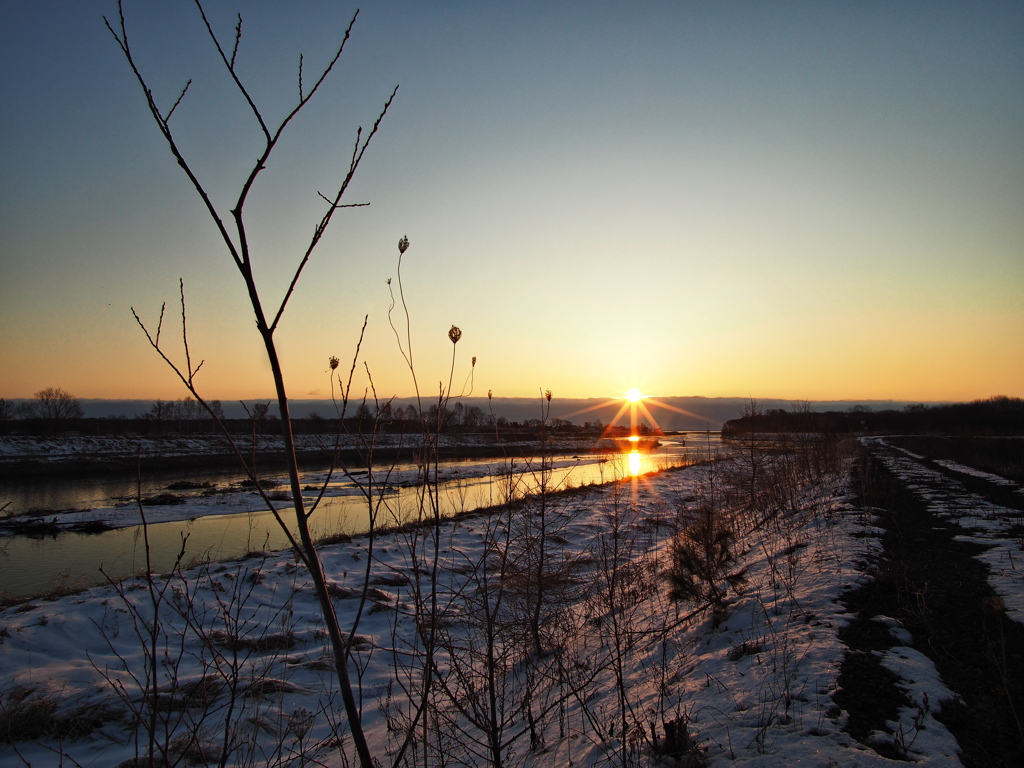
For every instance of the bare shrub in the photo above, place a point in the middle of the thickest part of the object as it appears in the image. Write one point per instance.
(232, 226)
(680, 745)
(701, 559)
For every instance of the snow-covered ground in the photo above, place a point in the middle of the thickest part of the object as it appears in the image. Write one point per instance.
(753, 691)
(965, 470)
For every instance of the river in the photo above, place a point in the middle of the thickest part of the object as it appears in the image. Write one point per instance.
(234, 523)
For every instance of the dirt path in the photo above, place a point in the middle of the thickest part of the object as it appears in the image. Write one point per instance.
(937, 589)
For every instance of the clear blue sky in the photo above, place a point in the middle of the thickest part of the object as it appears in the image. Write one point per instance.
(798, 200)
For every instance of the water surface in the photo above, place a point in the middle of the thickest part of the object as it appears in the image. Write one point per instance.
(30, 566)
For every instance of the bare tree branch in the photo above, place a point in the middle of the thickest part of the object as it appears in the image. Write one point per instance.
(238, 247)
(346, 205)
(238, 39)
(357, 156)
(181, 96)
(187, 380)
(184, 336)
(122, 41)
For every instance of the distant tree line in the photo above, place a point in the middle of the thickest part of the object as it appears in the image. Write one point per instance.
(994, 416)
(51, 410)
(55, 411)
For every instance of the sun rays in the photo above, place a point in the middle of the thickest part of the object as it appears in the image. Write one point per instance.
(637, 406)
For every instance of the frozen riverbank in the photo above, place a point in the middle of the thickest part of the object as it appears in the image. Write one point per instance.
(627, 676)
(753, 689)
(57, 528)
(22, 456)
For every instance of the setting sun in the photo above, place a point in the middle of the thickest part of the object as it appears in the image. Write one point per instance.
(634, 395)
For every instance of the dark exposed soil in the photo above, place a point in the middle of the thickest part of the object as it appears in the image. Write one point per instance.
(938, 590)
(1003, 456)
(965, 451)
(869, 693)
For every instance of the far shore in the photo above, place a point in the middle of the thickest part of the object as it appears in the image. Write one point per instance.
(23, 457)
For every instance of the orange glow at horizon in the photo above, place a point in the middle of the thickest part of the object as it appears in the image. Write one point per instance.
(628, 406)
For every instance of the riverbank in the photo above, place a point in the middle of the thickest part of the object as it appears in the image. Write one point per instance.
(186, 500)
(23, 456)
(831, 582)
(773, 643)
(62, 528)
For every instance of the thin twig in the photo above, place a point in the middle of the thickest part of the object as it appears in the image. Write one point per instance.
(167, 117)
(238, 39)
(357, 155)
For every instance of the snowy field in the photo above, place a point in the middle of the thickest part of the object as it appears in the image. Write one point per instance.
(243, 669)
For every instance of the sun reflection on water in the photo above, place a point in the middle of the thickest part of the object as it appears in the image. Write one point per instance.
(634, 463)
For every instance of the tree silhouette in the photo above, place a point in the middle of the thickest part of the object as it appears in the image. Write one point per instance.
(55, 406)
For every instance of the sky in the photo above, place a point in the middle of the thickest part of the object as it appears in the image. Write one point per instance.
(815, 201)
